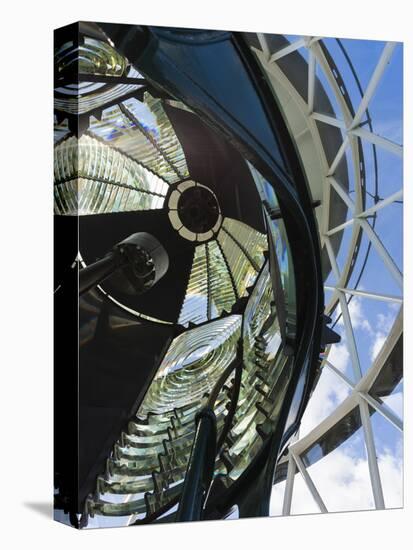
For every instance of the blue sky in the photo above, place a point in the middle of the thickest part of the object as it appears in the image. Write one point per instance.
(342, 477)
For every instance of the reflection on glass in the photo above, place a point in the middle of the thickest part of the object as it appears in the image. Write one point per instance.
(148, 463)
(93, 57)
(265, 376)
(276, 227)
(61, 130)
(143, 131)
(196, 358)
(130, 159)
(243, 248)
(93, 178)
(210, 291)
(195, 306)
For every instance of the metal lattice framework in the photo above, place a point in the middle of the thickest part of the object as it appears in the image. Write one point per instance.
(352, 123)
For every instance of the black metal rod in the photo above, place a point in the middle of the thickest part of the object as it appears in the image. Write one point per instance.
(233, 404)
(97, 272)
(200, 467)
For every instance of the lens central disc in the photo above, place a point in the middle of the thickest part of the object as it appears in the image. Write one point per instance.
(198, 209)
(194, 211)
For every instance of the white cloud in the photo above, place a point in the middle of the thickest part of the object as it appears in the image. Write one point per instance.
(329, 392)
(339, 356)
(383, 325)
(357, 316)
(343, 483)
(377, 330)
(391, 474)
(385, 321)
(395, 402)
(377, 344)
(342, 477)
